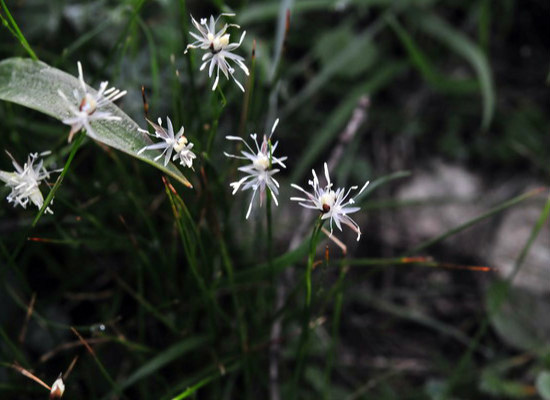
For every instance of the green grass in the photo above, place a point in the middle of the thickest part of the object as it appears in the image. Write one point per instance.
(178, 294)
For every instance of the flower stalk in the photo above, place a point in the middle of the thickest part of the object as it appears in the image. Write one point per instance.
(249, 92)
(214, 128)
(304, 337)
(336, 317)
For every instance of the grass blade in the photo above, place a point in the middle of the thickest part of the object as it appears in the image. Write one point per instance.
(322, 139)
(164, 358)
(424, 65)
(16, 31)
(441, 30)
(495, 210)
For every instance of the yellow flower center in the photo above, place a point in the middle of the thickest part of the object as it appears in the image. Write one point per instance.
(180, 144)
(261, 162)
(220, 42)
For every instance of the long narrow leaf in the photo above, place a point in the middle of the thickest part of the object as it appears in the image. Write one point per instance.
(164, 358)
(455, 40)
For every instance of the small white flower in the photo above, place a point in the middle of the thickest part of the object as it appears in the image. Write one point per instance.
(25, 180)
(259, 173)
(332, 204)
(170, 143)
(219, 50)
(89, 105)
(58, 388)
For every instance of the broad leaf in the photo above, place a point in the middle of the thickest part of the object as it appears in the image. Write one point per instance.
(35, 84)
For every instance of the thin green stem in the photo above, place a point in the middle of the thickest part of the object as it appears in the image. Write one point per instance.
(211, 135)
(191, 391)
(18, 356)
(102, 369)
(509, 203)
(180, 210)
(214, 127)
(311, 260)
(242, 327)
(16, 31)
(222, 97)
(190, 59)
(123, 36)
(335, 328)
(543, 219)
(304, 337)
(154, 59)
(248, 93)
(83, 39)
(146, 305)
(50, 196)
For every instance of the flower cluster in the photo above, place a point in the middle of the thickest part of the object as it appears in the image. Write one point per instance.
(332, 204)
(25, 180)
(86, 107)
(171, 142)
(89, 105)
(259, 173)
(218, 48)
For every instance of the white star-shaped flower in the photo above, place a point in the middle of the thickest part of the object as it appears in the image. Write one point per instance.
(25, 180)
(219, 50)
(86, 106)
(171, 142)
(332, 204)
(259, 173)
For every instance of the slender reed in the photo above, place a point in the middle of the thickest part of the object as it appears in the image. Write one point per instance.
(304, 337)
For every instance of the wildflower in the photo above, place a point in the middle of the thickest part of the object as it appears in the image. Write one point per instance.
(89, 105)
(218, 47)
(171, 142)
(58, 388)
(332, 204)
(25, 180)
(259, 172)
